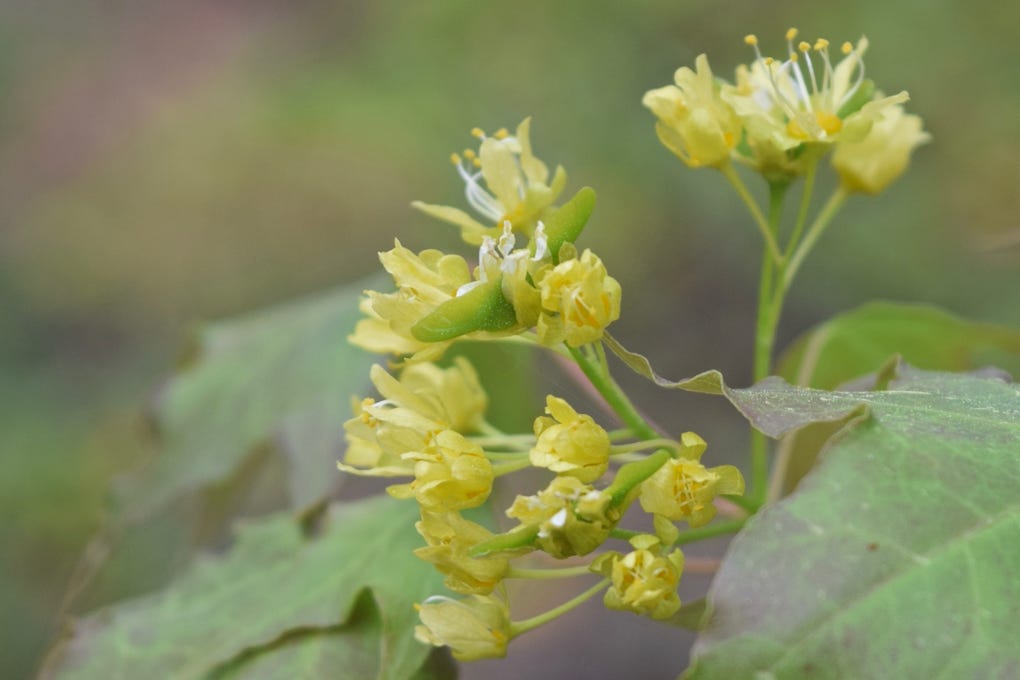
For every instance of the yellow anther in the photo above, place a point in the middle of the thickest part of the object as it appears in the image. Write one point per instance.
(804, 46)
(768, 61)
(455, 158)
(847, 48)
(478, 132)
(750, 39)
(469, 154)
(821, 44)
(501, 133)
(794, 56)
(477, 162)
(829, 122)
(791, 33)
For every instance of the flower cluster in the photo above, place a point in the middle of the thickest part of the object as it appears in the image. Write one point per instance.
(780, 116)
(547, 285)
(530, 284)
(429, 424)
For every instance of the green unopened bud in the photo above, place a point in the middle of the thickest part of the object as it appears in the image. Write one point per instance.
(566, 224)
(483, 308)
(629, 477)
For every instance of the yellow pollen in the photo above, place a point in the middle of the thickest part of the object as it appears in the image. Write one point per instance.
(829, 122)
(768, 61)
(469, 154)
(847, 48)
(477, 162)
(501, 133)
(455, 158)
(477, 132)
(821, 44)
(804, 46)
(791, 33)
(750, 39)
(794, 56)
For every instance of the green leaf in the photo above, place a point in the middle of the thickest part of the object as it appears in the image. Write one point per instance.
(690, 616)
(282, 377)
(897, 556)
(275, 582)
(346, 652)
(857, 342)
(860, 341)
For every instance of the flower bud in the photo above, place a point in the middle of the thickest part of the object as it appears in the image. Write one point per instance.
(570, 443)
(693, 120)
(474, 628)
(451, 473)
(879, 157)
(450, 537)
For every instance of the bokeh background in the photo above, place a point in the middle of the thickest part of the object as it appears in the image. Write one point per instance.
(167, 162)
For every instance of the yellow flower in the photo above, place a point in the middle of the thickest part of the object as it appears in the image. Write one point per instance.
(572, 517)
(449, 537)
(804, 99)
(450, 473)
(695, 123)
(570, 443)
(642, 581)
(424, 401)
(424, 281)
(380, 434)
(516, 270)
(474, 628)
(452, 397)
(504, 181)
(579, 299)
(683, 488)
(873, 163)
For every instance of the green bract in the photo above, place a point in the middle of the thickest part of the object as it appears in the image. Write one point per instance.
(483, 308)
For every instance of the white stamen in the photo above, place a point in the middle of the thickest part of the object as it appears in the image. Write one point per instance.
(541, 243)
(477, 197)
(559, 520)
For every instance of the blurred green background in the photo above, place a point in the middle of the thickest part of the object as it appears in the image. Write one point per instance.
(164, 163)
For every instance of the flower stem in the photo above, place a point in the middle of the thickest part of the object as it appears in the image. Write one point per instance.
(617, 449)
(543, 574)
(623, 534)
(518, 627)
(829, 211)
(718, 529)
(769, 305)
(511, 466)
(506, 441)
(617, 435)
(614, 396)
(767, 232)
(805, 205)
